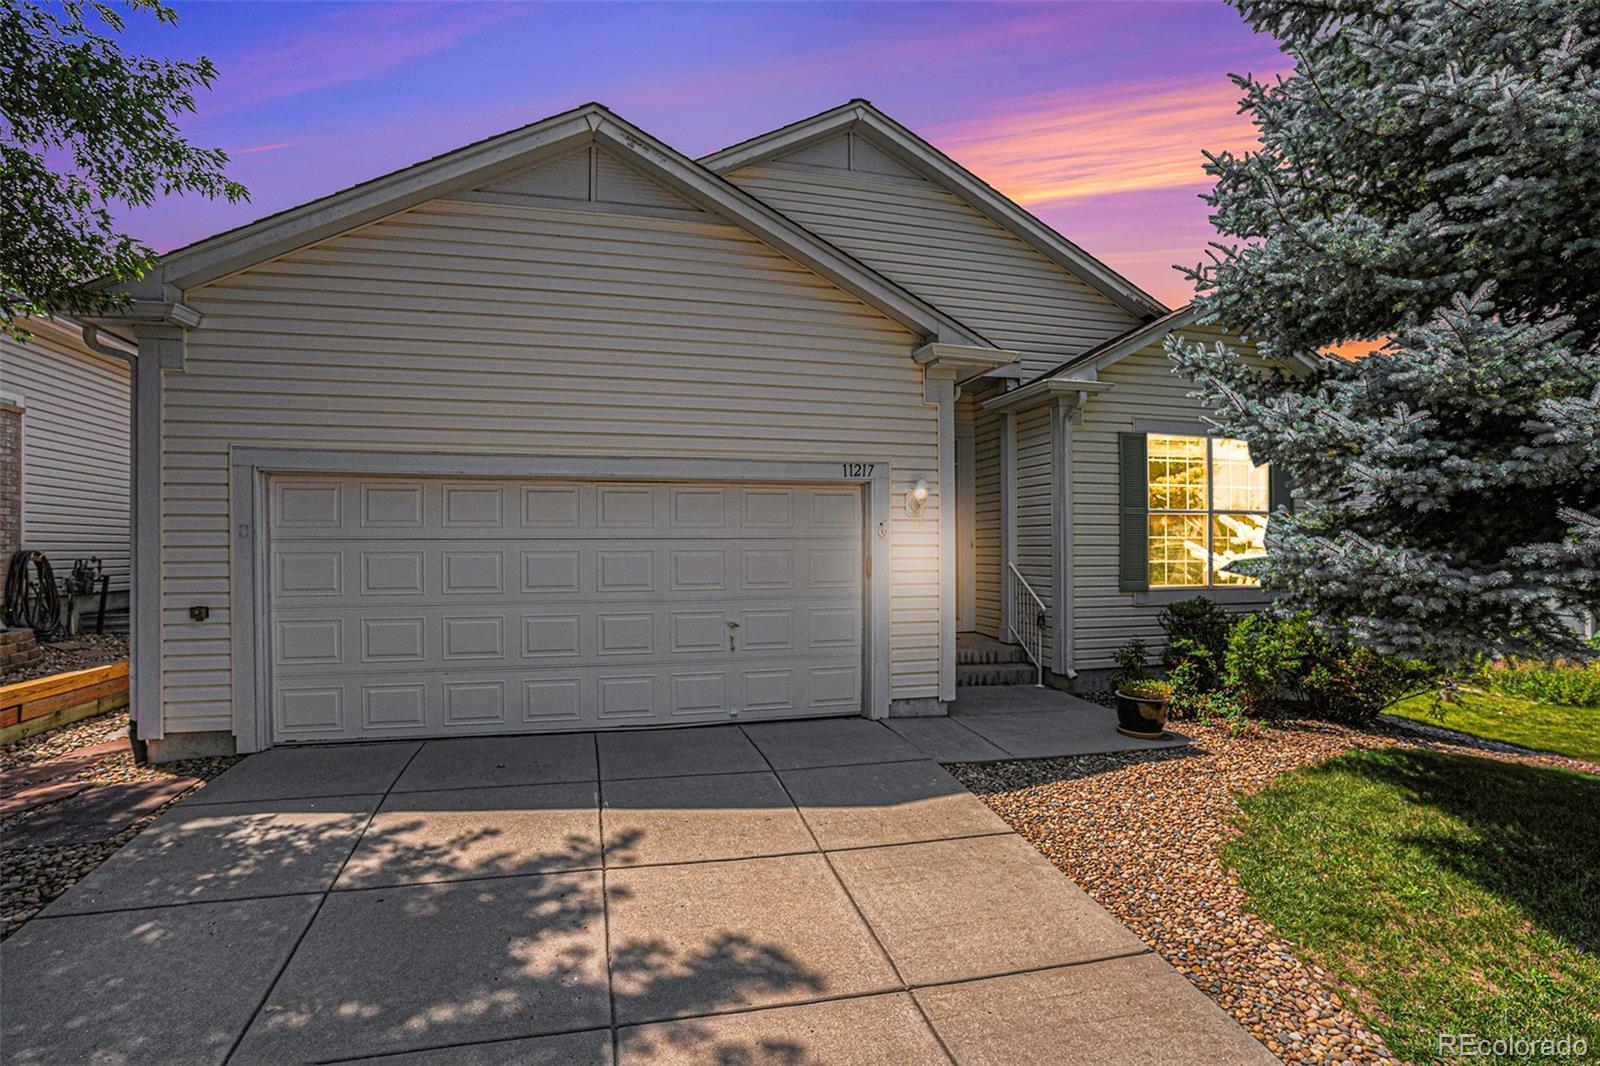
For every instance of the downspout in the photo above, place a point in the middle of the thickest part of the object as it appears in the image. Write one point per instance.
(92, 341)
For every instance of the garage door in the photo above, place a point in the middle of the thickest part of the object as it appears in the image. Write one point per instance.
(441, 607)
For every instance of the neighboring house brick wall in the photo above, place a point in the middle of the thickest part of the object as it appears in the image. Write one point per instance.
(477, 327)
(10, 479)
(75, 451)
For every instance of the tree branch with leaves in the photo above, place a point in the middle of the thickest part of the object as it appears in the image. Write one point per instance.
(85, 127)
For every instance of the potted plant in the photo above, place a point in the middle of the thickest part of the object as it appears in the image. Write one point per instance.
(1142, 708)
(1141, 702)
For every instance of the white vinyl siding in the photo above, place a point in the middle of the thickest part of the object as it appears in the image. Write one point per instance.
(75, 449)
(493, 328)
(1104, 617)
(937, 246)
(1034, 510)
(988, 428)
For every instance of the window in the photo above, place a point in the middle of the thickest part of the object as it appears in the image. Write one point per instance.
(1208, 508)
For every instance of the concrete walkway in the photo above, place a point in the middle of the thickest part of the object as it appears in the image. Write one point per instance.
(988, 723)
(802, 892)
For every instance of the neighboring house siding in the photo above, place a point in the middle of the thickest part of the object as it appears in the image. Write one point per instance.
(75, 449)
(1033, 509)
(940, 248)
(988, 427)
(1105, 618)
(479, 328)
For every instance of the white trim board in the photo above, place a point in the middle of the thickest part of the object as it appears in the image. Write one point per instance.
(250, 468)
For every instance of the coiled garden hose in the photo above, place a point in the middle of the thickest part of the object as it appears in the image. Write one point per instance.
(32, 600)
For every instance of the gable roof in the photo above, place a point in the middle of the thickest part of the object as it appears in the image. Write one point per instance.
(1132, 342)
(934, 164)
(1125, 344)
(496, 157)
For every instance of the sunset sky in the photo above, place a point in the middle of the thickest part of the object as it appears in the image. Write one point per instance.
(1091, 115)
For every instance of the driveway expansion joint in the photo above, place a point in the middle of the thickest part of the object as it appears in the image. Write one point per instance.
(326, 893)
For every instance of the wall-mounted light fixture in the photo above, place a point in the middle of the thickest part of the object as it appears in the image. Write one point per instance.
(916, 498)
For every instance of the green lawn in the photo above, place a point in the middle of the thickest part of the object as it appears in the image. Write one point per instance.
(1573, 731)
(1451, 893)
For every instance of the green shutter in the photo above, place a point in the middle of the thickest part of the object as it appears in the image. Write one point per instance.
(1135, 543)
(1278, 492)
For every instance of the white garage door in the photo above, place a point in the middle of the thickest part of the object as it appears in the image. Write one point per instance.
(434, 607)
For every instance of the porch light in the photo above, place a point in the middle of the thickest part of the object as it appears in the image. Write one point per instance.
(917, 497)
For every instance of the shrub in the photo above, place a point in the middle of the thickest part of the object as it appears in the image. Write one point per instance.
(1282, 665)
(1132, 661)
(1265, 657)
(1224, 707)
(1189, 695)
(1346, 682)
(1574, 684)
(1197, 635)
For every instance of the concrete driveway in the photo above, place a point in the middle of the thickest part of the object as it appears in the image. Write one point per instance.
(796, 893)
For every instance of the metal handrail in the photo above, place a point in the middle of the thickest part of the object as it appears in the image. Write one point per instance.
(1028, 616)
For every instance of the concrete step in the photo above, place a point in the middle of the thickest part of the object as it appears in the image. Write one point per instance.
(1022, 673)
(972, 651)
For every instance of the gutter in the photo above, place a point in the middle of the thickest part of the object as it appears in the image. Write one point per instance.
(1075, 390)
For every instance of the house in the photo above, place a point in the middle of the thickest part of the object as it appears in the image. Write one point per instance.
(64, 454)
(566, 430)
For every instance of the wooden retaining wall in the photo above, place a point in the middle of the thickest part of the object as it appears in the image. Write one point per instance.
(30, 707)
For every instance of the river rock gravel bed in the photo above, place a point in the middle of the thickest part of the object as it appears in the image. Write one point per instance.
(1140, 832)
(36, 749)
(30, 877)
(71, 653)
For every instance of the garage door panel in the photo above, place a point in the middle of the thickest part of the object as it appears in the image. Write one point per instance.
(397, 508)
(412, 607)
(501, 700)
(512, 570)
(328, 640)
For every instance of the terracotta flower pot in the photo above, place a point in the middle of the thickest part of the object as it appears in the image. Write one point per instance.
(1141, 716)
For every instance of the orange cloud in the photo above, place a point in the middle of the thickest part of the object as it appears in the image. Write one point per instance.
(1357, 349)
(1075, 144)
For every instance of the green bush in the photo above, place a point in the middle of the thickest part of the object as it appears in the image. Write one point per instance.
(1265, 657)
(1258, 666)
(1197, 641)
(1222, 706)
(1132, 663)
(1345, 682)
(1572, 684)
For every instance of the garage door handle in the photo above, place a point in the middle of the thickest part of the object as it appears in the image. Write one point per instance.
(731, 634)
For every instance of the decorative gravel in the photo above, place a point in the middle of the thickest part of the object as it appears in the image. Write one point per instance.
(1140, 831)
(72, 653)
(66, 738)
(30, 877)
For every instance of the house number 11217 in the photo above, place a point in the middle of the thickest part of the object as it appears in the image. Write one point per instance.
(857, 469)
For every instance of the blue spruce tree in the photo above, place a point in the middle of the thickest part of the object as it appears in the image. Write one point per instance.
(1429, 175)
